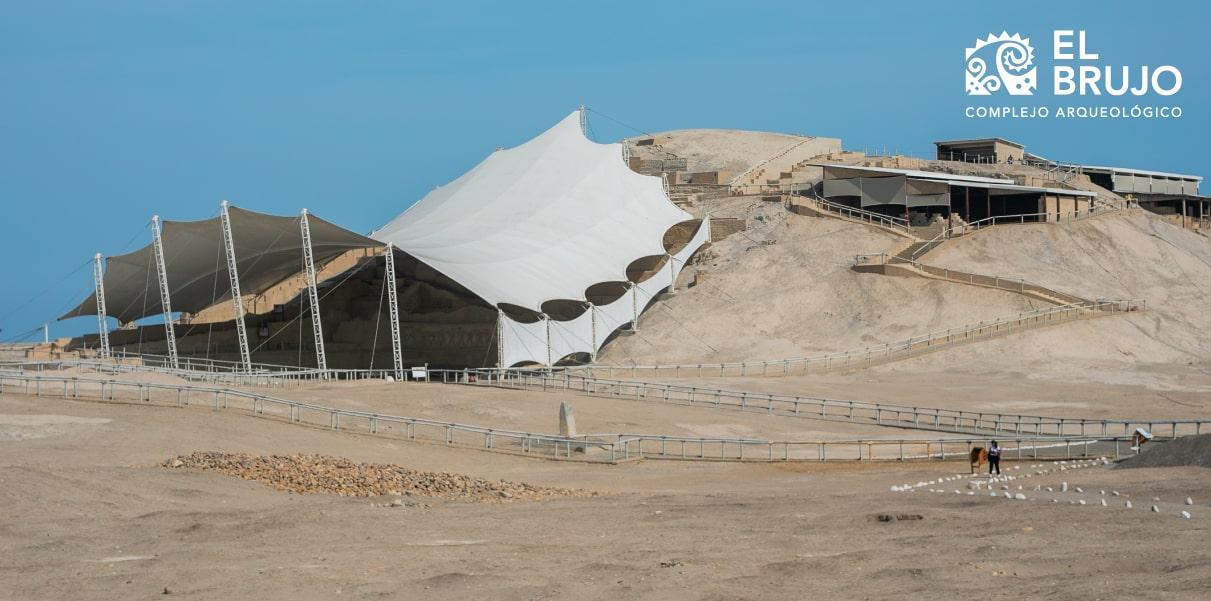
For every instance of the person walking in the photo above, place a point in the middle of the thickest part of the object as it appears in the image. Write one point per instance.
(994, 458)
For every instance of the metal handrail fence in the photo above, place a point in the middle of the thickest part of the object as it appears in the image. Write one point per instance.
(301, 412)
(979, 224)
(600, 448)
(896, 223)
(862, 412)
(867, 356)
(273, 378)
(869, 450)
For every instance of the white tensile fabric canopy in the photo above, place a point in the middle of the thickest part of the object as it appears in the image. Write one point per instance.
(545, 221)
(539, 222)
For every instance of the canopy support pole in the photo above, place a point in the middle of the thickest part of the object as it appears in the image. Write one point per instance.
(500, 338)
(170, 333)
(236, 298)
(672, 274)
(313, 296)
(546, 321)
(593, 326)
(634, 307)
(99, 290)
(397, 348)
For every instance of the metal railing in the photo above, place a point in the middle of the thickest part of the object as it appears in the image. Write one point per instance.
(896, 223)
(898, 450)
(861, 412)
(891, 351)
(204, 364)
(1021, 219)
(759, 168)
(601, 448)
(300, 412)
(130, 365)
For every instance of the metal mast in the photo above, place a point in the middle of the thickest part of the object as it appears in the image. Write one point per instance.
(236, 297)
(170, 333)
(321, 360)
(397, 348)
(99, 290)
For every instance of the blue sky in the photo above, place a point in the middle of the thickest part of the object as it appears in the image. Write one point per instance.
(111, 112)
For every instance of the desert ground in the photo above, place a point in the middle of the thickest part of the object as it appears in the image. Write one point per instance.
(98, 503)
(91, 513)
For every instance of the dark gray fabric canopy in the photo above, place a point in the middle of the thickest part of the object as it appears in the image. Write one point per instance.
(268, 249)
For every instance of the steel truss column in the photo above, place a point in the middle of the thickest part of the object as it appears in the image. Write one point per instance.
(546, 321)
(634, 307)
(593, 325)
(397, 348)
(236, 298)
(672, 274)
(317, 329)
(500, 338)
(170, 333)
(99, 290)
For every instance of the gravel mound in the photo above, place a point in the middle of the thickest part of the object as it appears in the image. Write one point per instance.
(1185, 451)
(306, 474)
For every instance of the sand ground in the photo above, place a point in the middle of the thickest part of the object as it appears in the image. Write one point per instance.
(90, 515)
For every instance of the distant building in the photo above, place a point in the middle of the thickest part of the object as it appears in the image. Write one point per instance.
(981, 150)
(1163, 193)
(921, 197)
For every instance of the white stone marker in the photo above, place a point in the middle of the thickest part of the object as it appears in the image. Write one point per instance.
(567, 423)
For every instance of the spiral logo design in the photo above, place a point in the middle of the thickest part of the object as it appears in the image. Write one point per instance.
(1014, 60)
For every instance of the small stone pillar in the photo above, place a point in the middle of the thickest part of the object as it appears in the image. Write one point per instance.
(567, 423)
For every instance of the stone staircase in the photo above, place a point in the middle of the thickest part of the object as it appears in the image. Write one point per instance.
(906, 255)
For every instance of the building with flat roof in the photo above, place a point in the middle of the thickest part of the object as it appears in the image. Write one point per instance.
(922, 197)
(1163, 193)
(1174, 194)
(981, 150)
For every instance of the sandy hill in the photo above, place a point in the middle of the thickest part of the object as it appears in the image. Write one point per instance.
(784, 288)
(1129, 255)
(734, 151)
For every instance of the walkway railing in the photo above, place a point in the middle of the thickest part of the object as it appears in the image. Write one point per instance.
(861, 412)
(276, 378)
(607, 448)
(1022, 219)
(891, 351)
(896, 223)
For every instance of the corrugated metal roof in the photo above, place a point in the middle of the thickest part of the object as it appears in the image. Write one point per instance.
(978, 140)
(1017, 188)
(932, 175)
(1131, 171)
(964, 180)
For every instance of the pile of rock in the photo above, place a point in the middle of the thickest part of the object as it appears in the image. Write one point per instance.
(306, 474)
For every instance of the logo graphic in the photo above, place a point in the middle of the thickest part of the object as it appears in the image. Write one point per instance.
(1014, 59)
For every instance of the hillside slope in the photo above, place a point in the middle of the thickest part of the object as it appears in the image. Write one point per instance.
(1134, 255)
(784, 289)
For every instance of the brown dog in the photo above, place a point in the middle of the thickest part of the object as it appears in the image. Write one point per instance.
(979, 456)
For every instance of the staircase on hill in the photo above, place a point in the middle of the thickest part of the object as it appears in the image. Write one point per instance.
(906, 255)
